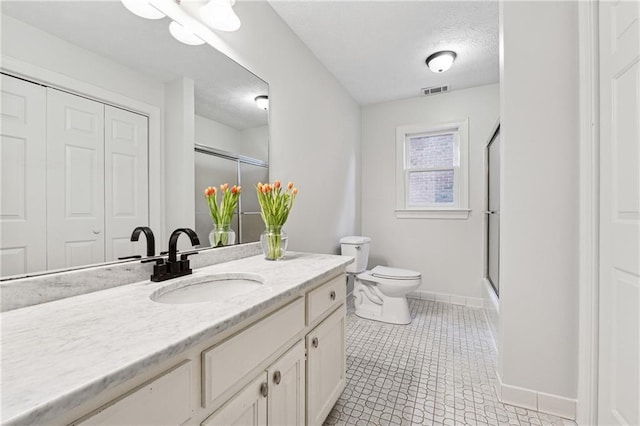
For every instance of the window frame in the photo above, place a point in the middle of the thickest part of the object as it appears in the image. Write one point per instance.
(459, 209)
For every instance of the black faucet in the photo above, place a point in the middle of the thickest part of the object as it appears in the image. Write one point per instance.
(148, 233)
(173, 267)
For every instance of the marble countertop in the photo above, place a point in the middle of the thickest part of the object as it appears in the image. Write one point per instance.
(58, 355)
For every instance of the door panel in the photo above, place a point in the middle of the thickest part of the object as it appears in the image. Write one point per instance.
(251, 224)
(23, 179)
(619, 299)
(126, 181)
(75, 180)
(251, 227)
(250, 175)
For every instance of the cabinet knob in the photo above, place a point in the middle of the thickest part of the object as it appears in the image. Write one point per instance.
(96, 232)
(264, 389)
(277, 377)
(314, 342)
(332, 295)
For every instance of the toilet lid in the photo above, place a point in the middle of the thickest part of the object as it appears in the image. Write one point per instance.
(394, 273)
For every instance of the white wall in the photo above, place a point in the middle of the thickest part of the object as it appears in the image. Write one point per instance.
(538, 344)
(36, 47)
(252, 142)
(217, 135)
(179, 168)
(314, 126)
(449, 253)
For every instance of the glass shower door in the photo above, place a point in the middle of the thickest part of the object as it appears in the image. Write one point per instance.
(493, 212)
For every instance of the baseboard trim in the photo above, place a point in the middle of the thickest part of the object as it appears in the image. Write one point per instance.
(533, 400)
(454, 299)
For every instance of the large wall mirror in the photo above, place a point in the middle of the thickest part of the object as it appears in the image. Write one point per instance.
(89, 95)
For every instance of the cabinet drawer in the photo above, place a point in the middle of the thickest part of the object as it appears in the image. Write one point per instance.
(325, 298)
(226, 364)
(165, 400)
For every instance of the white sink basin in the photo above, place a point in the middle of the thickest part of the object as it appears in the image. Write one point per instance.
(207, 288)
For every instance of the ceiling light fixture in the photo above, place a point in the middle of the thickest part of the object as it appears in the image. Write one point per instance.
(143, 9)
(441, 61)
(183, 35)
(219, 14)
(263, 102)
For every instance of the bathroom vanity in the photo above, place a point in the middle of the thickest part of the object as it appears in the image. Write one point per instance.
(273, 354)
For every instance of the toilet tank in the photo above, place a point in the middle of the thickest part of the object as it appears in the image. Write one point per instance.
(357, 247)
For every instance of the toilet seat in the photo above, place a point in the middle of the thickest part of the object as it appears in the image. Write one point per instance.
(394, 273)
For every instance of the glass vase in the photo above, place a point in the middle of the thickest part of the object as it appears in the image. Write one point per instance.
(274, 242)
(222, 235)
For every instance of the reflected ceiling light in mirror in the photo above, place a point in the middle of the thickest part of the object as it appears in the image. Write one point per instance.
(219, 14)
(143, 9)
(263, 102)
(441, 61)
(183, 35)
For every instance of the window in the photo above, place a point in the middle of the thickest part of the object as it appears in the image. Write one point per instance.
(432, 171)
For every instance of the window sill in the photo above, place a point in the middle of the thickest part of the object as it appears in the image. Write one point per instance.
(433, 214)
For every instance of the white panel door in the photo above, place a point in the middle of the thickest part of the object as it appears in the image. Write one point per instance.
(286, 400)
(619, 338)
(23, 164)
(75, 180)
(126, 181)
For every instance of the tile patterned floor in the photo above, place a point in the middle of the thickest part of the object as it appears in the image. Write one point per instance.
(439, 370)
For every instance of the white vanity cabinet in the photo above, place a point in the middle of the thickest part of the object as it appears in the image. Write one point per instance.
(286, 367)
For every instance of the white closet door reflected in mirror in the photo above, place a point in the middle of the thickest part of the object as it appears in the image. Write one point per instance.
(79, 207)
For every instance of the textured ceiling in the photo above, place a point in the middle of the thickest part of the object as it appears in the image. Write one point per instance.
(377, 49)
(225, 91)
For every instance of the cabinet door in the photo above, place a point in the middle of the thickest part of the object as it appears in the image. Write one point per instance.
(23, 181)
(287, 388)
(326, 366)
(75, 180)
(247, 408)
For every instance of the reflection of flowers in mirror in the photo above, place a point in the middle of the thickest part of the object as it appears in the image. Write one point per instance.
(222, 213)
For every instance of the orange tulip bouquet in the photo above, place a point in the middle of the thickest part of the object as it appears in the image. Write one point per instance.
(221, 214)
(275, 205)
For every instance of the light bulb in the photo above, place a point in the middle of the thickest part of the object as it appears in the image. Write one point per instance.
(143, 9)
(183, 35)
(441, 61)
(262, 102)
(219, 14)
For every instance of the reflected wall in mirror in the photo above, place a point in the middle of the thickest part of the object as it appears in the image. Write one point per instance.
(88, 102)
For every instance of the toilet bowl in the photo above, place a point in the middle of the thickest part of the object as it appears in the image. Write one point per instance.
(381, 293)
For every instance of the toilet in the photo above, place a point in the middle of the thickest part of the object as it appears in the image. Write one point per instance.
(381, 293)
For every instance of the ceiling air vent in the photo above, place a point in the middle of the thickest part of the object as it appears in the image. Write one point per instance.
(434, 90)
